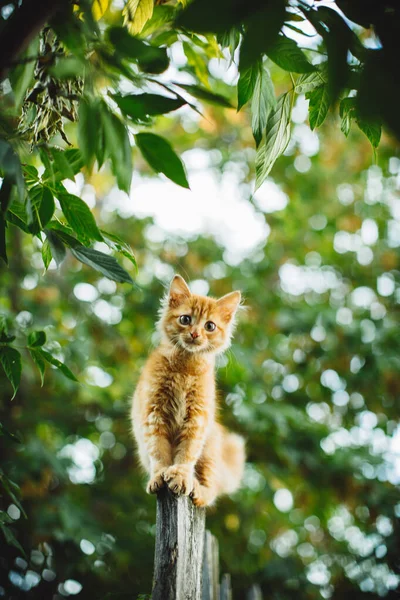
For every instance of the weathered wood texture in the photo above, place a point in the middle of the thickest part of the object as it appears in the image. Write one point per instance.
(210, 568)
(179, 548)
(254, 593)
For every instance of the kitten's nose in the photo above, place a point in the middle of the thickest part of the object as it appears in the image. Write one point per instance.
(194, 335)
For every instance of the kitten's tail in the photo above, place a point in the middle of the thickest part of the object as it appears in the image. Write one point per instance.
(233, 460)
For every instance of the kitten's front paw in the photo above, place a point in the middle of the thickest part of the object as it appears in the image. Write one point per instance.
(156, 483)
(179, 479)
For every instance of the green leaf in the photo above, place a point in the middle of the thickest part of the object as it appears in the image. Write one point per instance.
(197, 62)
(31, 175)
(5, 518)
(158, 152)
(10, 167)
(57, 363)
(61, 165)
(46, 254)
(287, 55)
(107, 265)
(150, 59)
(57, 169)
(48, 175)
(262, 103)
(229, 39)
(276, 140)
(74, 157)
(298, 30)
(117, 244)
(208, 16)
(57, 248)
(162, 14)
(71, 30)
(16, 215)
(136, 14)
(338, 39)
(261, 33)
(141, 106)
(36, 339)
(3, 248)
(10, 360)
(202, 94)
(347, 112)
(68, 67)
(89, 124)
(63, 234)
(79, 217)
(11, 539)
(3, 325)
(12, 489)
(118, 65)
(39, 207)
(373, 130)
(5, 338)
(118, 148)
(39, 362)
(22, 75)
(309, 81)
(319, 105)
(246, 84)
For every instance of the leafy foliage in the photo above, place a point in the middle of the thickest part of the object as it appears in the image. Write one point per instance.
(277, 138)
(10, 360)
(319, 105)
(160, 156)
(263, 102)
(68, 87)
(287, 55)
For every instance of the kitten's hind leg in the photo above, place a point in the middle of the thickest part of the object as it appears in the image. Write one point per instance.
(219, 470)
(205, 488)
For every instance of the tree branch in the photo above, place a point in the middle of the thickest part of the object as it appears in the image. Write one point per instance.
(21, 27)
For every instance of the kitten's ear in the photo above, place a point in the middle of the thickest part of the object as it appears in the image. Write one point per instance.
(178, 291)
(228, 305)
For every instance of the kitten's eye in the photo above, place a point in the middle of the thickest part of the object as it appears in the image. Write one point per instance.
(185, 320)
(209, 326)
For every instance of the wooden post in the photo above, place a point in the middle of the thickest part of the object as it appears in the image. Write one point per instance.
(210, 568)
(225, 592)
(179, 548)
(255, 593)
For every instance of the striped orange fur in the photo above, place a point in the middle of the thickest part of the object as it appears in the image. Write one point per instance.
(180, 443)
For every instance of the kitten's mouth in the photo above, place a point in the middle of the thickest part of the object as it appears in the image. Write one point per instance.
(191, 345)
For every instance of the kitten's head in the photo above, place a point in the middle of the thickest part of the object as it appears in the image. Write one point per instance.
(197, 323)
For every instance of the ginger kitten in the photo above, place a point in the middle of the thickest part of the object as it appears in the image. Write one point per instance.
(174, 406)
